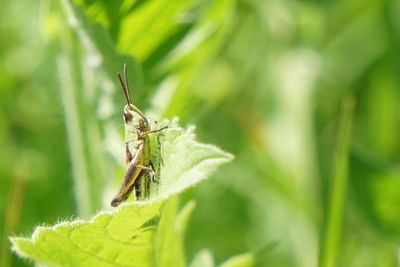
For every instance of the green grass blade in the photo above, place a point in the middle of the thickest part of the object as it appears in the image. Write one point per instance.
(338, 188)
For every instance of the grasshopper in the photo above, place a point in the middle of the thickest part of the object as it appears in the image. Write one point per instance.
(137, 147)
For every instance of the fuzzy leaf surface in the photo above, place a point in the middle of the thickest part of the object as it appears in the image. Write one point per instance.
(133, 234)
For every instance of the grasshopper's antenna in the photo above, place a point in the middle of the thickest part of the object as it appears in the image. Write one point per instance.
(125, 88)
(126, 79)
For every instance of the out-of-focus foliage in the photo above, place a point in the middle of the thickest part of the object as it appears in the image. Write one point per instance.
(263, 79)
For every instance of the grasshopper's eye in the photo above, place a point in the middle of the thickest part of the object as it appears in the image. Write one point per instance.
(127, 116)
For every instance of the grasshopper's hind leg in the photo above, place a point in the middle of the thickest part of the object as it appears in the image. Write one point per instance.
(131, 175)
(118, 199)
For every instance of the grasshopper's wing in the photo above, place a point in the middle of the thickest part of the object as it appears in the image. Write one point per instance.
(130, 177)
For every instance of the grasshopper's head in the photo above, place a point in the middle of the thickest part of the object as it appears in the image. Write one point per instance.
(132, 115)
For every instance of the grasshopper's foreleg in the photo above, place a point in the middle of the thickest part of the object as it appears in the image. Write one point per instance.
(144, 134)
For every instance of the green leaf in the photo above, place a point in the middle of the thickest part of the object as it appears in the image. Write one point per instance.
(122, 237)
(191, 58)
(180, 160)
(151, 23)
(99, 50)
(170, 234)
(242, 260)
(131, 235)
(203, 259)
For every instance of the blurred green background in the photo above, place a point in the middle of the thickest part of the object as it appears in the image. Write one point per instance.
(305, 93)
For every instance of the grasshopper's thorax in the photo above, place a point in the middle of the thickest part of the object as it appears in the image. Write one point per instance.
(135, 122)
